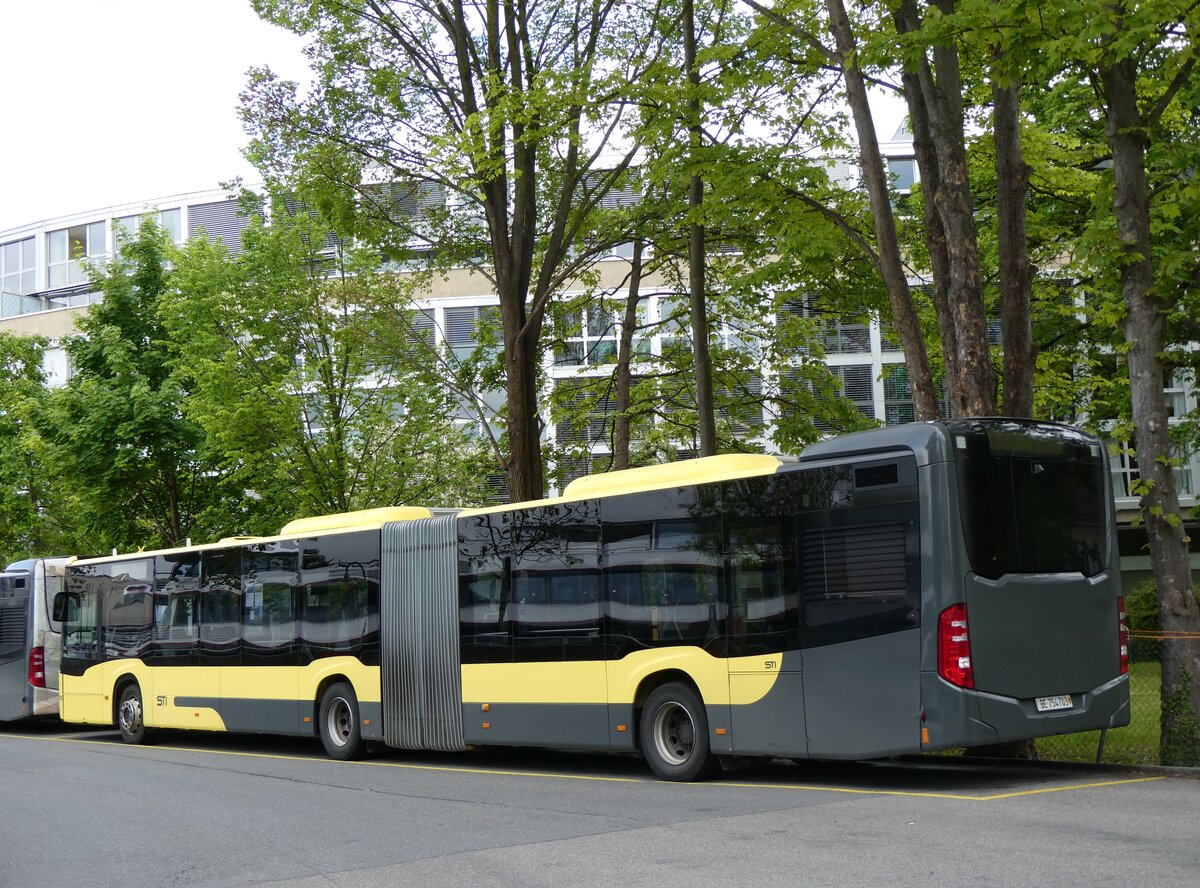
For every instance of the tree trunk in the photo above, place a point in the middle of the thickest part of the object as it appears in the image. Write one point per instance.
(891, 267)
(1144, 329)
(521, 356)
(705, 418)
(940, 88)
(1016, 274)
(624, 372)
(935, 239)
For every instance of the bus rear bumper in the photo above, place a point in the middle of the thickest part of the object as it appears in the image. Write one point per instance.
(956, 717)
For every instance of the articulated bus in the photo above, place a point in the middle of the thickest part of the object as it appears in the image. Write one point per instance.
(30, 640)
(913, 588)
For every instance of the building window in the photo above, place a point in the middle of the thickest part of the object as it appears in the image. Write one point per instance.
(172, 223)
(69, 249)
(467, 328)
(590, 337)
(18, 280)
(903, 171)
(125, 228)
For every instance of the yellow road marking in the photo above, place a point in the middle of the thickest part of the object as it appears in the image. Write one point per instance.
(498, 772)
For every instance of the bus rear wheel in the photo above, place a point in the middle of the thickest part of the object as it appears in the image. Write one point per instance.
(338, 723)
(130, 718)
(674, 734)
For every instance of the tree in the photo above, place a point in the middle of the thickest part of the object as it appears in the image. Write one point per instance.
(140, 471)
(34, 515)
(501, 119)
(1137, 47)
(307, 414)
(885, 252)
(1115, 87)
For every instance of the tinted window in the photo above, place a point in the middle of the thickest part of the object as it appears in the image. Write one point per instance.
(485, 544)
(760, 522)
(176, 612)
(858, 579)
(556, 582)
(663, 568)
(270, 574)
(220, 606)
(339, 595)
(1033, 498)
(86, 586)
(127, 610)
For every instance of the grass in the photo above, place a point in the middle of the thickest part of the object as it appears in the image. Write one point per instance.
(1135, 744)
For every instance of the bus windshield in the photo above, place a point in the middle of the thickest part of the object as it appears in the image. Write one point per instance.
(1032, 498)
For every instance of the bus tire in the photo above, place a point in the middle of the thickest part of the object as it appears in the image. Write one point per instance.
(338, 723)
(673, 734)
(131, 720)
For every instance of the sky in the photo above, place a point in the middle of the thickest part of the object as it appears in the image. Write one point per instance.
(108, 102)
(118, 101)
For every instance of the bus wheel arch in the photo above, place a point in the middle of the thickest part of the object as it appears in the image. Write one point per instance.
(673, 728)
(129, 714)
(339, 723)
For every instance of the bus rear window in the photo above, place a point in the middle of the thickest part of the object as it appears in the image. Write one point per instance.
(1033, 498)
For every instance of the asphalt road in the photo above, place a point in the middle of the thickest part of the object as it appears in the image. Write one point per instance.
(81, 809)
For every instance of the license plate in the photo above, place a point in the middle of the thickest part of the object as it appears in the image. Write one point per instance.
(1050, 704)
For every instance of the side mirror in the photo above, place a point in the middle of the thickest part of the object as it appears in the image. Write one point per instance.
(66, 607)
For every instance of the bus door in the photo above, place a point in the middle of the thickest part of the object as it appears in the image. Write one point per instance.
(557, 628)
(220, 600)
(765, 678)
(860, 579)
(14, 666)
(176, 677)
(82, 697)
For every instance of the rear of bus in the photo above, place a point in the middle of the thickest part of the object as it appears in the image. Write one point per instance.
(1028, 628)
(30, 640)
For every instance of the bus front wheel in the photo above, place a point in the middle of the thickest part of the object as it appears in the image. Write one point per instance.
(674, 734)
(338, 723)
(130, 718)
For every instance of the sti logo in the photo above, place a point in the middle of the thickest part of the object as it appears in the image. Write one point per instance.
(770, 664)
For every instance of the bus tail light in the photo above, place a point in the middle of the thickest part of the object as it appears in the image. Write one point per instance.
(1122, 634)
(37, 667)
(954, 647)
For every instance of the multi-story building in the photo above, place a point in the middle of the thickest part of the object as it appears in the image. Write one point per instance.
(44, 284)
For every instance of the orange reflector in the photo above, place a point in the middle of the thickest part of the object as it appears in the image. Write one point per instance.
(720, 732)
(924, 735)
(366, 721)
(307, 719)
(487, 725)
(486, 707)
(620, 729)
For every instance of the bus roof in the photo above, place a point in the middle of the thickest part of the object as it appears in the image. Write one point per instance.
(344, 522)
(706, 469)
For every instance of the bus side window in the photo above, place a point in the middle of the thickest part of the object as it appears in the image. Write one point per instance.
(663, 568)
(856, 581)
(127, 615)
(764, 605)
(66, 607)
(269, 585)
(556, 582)
(339, 593)
(484, 588)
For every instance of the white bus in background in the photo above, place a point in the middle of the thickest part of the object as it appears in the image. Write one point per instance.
(30, 640)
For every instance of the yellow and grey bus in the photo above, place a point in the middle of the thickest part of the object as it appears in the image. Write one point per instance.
(904, 589)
